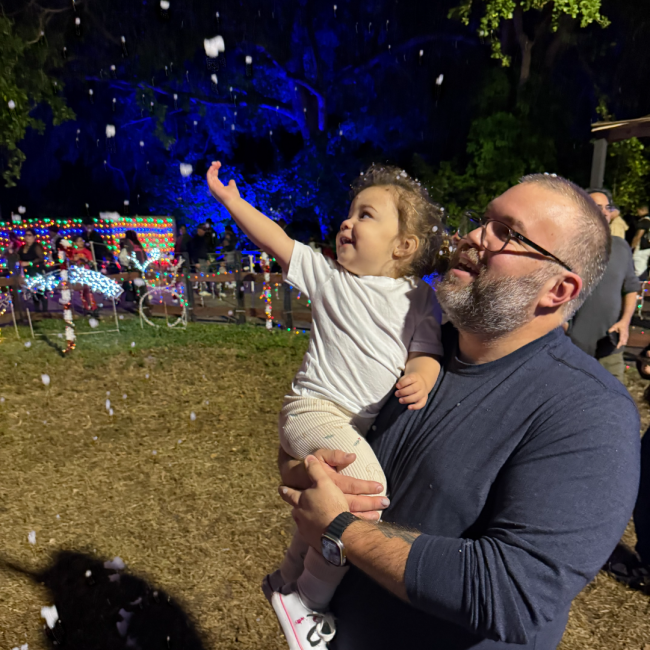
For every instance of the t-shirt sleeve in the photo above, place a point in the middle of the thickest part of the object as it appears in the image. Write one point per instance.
(308, 269)
(560, 505)
(643, 224)
(632, 283)
(427, 337)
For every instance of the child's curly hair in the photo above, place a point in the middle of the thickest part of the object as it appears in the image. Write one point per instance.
(419, 217)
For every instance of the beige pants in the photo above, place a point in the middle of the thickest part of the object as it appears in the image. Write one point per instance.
(307, 424)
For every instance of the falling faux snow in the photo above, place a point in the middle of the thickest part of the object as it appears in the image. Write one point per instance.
(45, 379)
(132, 344)
(192, 416)
(31, 538)
(186, 169)
(12, 104)
(28, 344)
(117, 564)
(50, 615)
(213, 46)
(93, 322)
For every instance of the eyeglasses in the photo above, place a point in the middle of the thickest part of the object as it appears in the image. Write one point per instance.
(496, 235)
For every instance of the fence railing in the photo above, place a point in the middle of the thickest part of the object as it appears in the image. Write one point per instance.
(196, 311)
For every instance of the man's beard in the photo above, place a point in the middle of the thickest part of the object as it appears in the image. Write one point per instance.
(490, 307)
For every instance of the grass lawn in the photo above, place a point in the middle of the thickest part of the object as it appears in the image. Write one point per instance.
(189, 503)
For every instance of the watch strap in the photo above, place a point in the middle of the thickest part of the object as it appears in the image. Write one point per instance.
(340, 523)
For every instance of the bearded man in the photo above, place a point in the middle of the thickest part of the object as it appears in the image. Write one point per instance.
(509, 490)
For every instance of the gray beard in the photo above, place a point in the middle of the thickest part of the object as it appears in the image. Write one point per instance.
(490, 307)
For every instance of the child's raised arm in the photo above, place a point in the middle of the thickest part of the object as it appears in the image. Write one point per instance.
(260, 229)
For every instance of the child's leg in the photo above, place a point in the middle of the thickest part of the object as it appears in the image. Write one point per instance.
(294, 559)
(310, 424)
(319, 581)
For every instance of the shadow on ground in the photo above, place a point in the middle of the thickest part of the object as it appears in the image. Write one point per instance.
(102, 607)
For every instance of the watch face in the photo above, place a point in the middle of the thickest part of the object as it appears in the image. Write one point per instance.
(331, 551)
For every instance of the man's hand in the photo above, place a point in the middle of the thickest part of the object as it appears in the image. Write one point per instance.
(294, 474)
(315, 508)
(412, 390)
(623, 329)
(225, 194)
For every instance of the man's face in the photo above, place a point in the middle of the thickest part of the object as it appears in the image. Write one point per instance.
(602, 202)
(200, 232)
(494, 293)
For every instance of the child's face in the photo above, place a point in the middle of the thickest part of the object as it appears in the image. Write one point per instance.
(367, 240)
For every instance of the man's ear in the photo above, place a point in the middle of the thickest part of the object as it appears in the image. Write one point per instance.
(564, 289)
(406, 247)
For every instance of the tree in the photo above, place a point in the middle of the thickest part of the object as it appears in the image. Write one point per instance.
(25, 85)
(530, 22)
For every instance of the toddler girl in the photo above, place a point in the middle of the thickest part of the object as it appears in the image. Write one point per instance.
(373, 320)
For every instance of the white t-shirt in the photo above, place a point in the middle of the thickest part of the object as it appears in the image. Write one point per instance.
(362, 331)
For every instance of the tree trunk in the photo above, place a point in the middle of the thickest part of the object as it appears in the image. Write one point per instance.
(525, 45)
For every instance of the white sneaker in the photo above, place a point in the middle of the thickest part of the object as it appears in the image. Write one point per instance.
(303, 628)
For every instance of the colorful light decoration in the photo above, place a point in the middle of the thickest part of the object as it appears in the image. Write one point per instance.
(266, 291)
(66, 297)
(153, 232)
(154, 256)
(97, 282)
(171, 289)
(5, 302)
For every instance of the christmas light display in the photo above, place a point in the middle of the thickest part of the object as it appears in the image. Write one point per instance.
(97, 282)
(155, 290)
(153, 232)
(266, 291)
(154, 256)
(66, 297)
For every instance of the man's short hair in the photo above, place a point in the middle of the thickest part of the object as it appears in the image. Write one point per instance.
(586, 249)
(600, 190)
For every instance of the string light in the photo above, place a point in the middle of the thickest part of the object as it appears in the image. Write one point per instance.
(66, 297)
(266, 291)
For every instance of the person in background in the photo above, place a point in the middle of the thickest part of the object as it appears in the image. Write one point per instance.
(210, 236)
(81, 256)
(97, 245)
(182, 244)
(32, 261)
(131, 243)
(641, 243)
(229, 248)
(10, 254)
(617, 226)
(199, 257)
(601, 326)
(55, 241)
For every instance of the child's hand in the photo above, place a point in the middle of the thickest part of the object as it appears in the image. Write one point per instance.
(412, 390)
(223, 193)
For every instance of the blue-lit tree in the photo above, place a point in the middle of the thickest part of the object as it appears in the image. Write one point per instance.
(306, 94)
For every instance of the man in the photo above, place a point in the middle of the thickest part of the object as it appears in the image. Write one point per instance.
(55, 241)
(601, 326)
(517, 478)
(199, 257)
(97, 245)
(641, 242)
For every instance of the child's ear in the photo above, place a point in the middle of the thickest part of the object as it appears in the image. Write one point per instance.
(406, 247)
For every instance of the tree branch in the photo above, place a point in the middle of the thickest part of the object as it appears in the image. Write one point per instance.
(405, 47)
(124, 85)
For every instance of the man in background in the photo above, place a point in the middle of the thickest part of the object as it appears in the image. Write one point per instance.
(641, 243)
(601, 326)
(96, 243)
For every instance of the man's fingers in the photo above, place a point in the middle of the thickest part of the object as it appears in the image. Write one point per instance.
(315, 470)
(362, 503)
(335, 457)
(352, 486)
(368, 516)
(291, 496)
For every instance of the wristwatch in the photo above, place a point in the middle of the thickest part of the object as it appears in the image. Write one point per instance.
(331, 545)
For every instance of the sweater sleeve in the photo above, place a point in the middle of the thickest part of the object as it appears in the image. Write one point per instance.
(558, 508)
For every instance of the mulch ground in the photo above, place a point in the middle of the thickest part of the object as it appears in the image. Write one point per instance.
(180, 482)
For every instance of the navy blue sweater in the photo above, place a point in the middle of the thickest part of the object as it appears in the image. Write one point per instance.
(522, 475)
